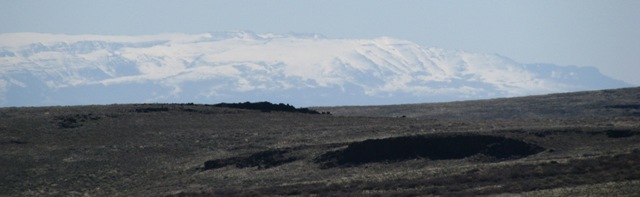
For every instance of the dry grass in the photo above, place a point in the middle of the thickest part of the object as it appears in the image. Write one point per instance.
(160, 150)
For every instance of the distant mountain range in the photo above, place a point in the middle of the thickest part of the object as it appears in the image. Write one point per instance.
(305, 70)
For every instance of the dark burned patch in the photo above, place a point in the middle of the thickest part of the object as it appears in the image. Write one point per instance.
(435, 147)
(629, 106)
(542, 133)
(267, 107)
(620, 133)
(11, 140)
(73, 121)
(151, 109)
(262, 160)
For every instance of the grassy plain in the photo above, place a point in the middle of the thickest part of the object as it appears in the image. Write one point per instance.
(590, 146)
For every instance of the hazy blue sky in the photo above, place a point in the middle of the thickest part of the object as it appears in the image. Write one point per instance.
(602, 33)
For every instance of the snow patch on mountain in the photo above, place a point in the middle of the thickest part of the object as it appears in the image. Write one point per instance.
(53, 69)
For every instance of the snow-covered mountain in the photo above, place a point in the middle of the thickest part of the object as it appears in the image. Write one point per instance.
(47, 69)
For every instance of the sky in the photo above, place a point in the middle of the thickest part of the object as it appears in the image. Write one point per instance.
(598, 33)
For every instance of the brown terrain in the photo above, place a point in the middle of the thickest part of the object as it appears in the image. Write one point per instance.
(571, 144)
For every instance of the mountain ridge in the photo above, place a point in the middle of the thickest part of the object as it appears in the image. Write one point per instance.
(308, 70)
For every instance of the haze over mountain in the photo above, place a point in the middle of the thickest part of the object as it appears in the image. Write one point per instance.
(52, 69)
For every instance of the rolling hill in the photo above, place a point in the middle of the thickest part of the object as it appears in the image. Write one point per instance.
(583, 143)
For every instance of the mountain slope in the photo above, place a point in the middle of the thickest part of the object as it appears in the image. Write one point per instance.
(46, 69)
